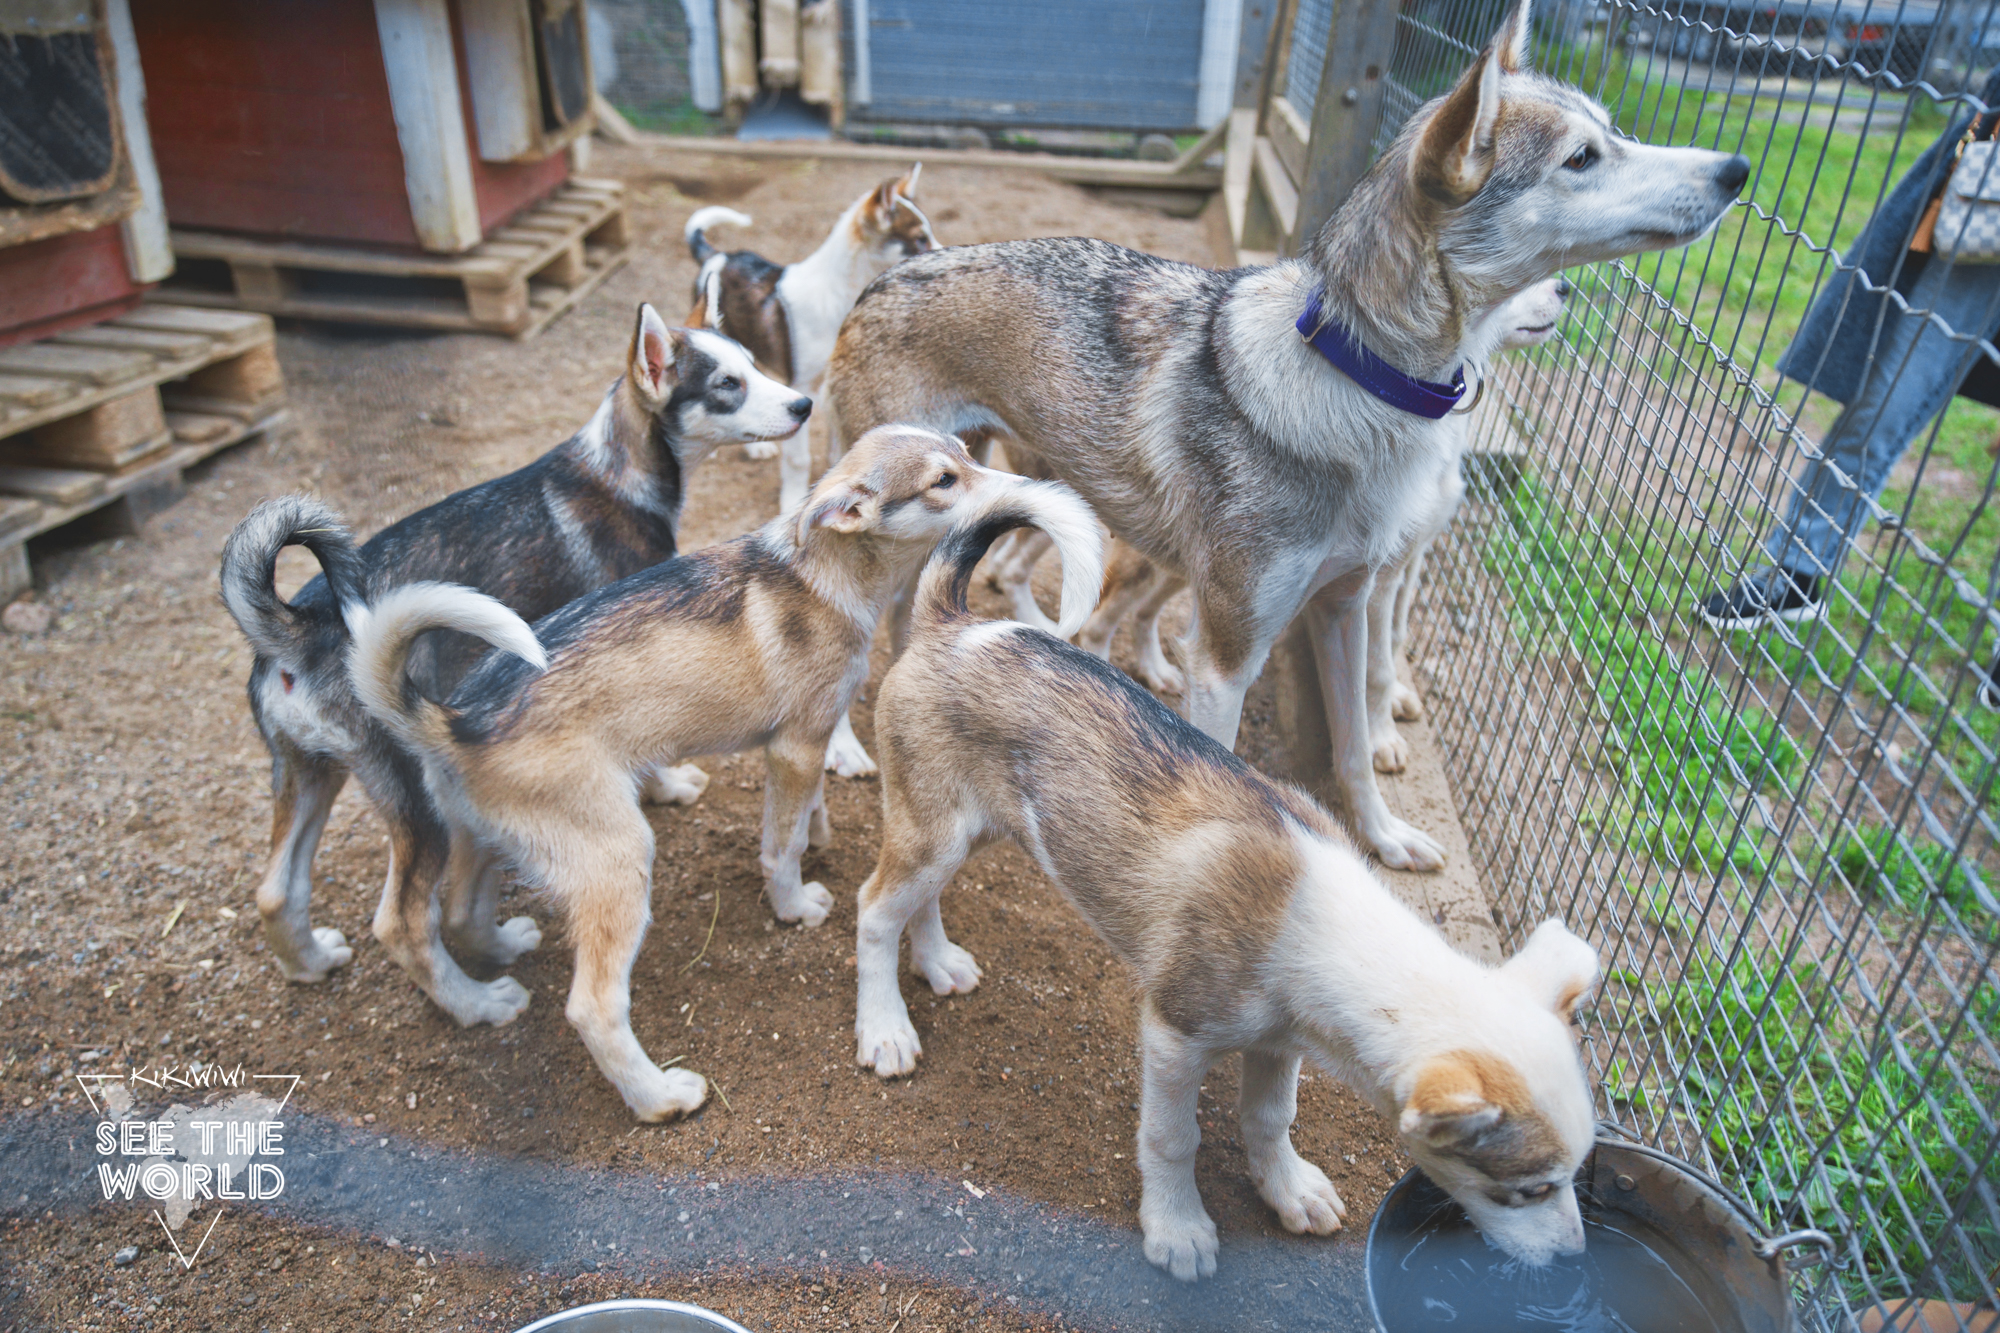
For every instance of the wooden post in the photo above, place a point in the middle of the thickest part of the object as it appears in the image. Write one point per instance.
(1352, 84)
(1253, 78)
(1346, 113)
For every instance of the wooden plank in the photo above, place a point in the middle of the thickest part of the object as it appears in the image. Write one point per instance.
(1077, 170)
(152, 342)
(17, 514)
(59, 486)
(92, 365)
(252, 378)
(332, 258)
(186, 319)
(33, 390)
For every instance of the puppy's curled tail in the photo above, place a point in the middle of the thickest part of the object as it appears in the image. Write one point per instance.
(275, 628)
(385, 632)
(701, 220)
(1049, 505)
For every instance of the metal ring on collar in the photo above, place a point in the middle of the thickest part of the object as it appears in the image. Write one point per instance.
(1478, 392)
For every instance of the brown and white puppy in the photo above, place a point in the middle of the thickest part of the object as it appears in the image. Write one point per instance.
(601, 505)
(789, 315)
(1246, 917)
(1184, 405)
(759, 642)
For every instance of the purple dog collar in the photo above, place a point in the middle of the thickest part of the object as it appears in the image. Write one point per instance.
(1334, 341)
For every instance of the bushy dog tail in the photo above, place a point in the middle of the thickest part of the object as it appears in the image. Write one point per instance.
(701, 220)
(275, 628)
(385, 632)
(1049, 505)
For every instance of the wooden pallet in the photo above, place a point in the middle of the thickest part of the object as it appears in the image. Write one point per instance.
(514, 282)
(100, 423)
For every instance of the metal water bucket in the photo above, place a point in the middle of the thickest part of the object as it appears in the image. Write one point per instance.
(635, 1316)
(1703, 1233)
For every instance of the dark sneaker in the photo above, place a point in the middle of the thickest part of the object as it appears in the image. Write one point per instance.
(1765, 594)
(1989, 689)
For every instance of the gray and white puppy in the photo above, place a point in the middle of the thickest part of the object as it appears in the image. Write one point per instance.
(1183, 404)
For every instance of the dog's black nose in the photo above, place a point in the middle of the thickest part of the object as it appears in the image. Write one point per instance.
(802, 408)
(1731, 174)
(1563, 289)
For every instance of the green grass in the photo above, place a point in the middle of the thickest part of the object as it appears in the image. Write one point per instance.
(1817, 1137)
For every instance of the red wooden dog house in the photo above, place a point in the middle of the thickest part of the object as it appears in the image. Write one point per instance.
(394, 160)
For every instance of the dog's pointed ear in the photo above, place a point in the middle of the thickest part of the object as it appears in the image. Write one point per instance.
(710, 305)
(649, 367)
(1514, 43)
(843, 507)
(1557, 967)
(907, 187)
(1446, 1101)
(1455, 155)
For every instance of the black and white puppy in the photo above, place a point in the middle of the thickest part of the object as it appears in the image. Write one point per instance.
(601, 505)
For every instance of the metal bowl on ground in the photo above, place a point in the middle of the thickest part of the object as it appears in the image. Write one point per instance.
(635, 1316)
(1666, 1249)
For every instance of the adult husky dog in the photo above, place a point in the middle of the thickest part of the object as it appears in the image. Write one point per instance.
(1187, 407)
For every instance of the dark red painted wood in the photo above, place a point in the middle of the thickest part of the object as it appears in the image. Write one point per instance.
(272, 117)
(64, 282)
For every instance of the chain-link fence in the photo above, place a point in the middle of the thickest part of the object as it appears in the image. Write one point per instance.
(1704, 692)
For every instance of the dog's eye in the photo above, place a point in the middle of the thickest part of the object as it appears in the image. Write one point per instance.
(729, 384)
(1541, 1191)
(1581, 158)
(944, 482)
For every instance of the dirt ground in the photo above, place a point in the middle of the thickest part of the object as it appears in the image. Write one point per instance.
(137, 806)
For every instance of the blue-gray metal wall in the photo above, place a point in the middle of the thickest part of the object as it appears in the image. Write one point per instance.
(1100, 64)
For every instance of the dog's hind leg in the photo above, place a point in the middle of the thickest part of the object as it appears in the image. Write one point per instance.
(1160, 675)
(1389, 750)
(1304, 1198)
(407, 922)
(913, 870)
(607, 884)
(1179, 1234)
(1337, 617)
(1015, 577)
(303, 791)
(1405, 704)
(471, 908)
(792, 788)
(1128, 578)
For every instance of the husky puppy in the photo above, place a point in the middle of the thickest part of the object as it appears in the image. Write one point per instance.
(1185, 405)
(788, 315)
(757, 643)
(599, 506)
(1529, 320)
(1246, 917)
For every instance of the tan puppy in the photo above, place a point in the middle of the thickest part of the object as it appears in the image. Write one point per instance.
(759, 642)
(1247, 918)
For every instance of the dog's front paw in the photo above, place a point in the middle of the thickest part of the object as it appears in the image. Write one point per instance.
(950, 970)
(1405, 847)
(761, 449)
(1405, 704)
(807, 905)
(1303, 1197)
(1184, 1245)
(674, 784)
(498, 1002)
(666, 1093)
(887, 1046)
(846, 756)
(1392, 753)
